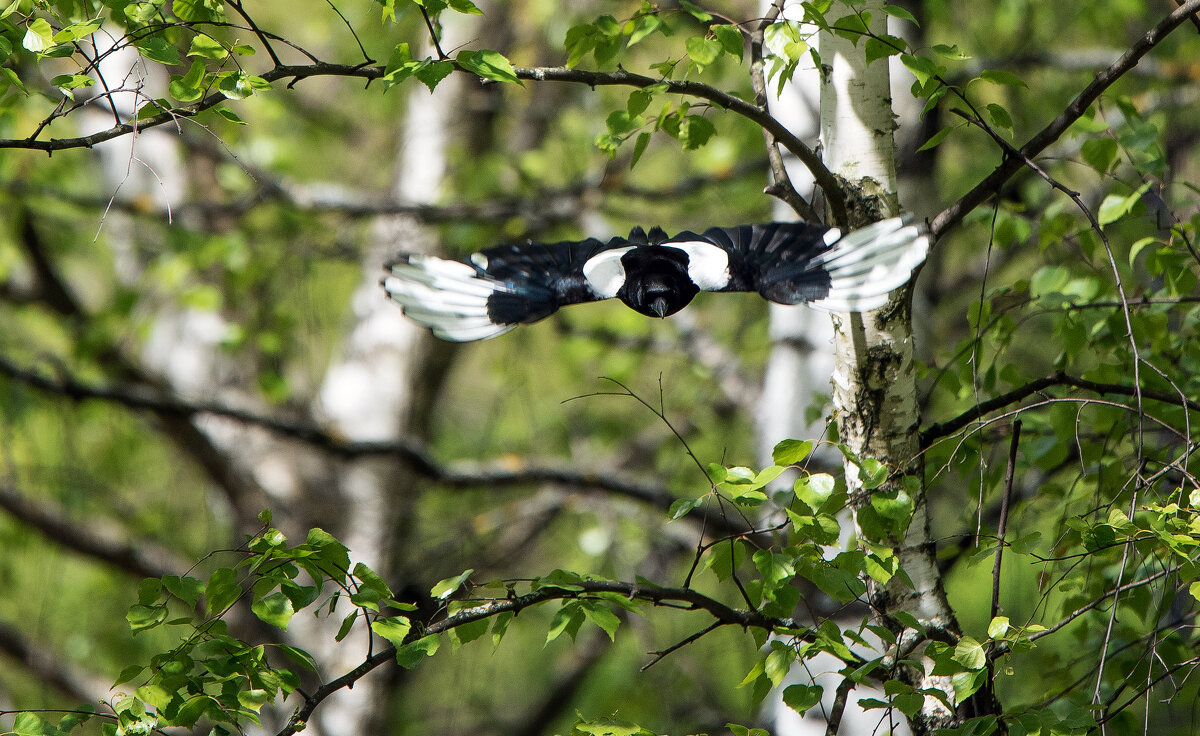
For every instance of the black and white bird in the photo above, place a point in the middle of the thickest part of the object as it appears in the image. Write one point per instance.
(496, 289)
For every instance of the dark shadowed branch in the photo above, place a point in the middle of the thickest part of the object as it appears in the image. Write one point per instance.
(144, 560)
(47, 668)
(983, 408)
(466, 474)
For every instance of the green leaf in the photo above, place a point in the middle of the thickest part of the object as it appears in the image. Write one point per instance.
(206, 47)
(186, 588)
(639, 147)
(433, 72)
(970, 654)
(253, 700)
(77, 31)
(39, 36)
(997, 76)
(566, 620)
(1099, 153)
(730, 37)
(371, 579)
(275, 609)
(853, 27)
(898, 12)
(646, 25)
(791, 452)
(1000, 118)
(158, 49)
(950, 52)
(801, 698)
(29, 724)
(681, 507)
(190, 86)
(814, 489)
(222, 590)
(347, 624)
(445, 588)
(703, 51)
(128, 674)
(922, 68)
(998, 627)
(694, 132)
(394, 629)
(1116, 206)
(695, 11)
(883, 46)
(142, 617)
(967, 684)
(603, 617)
(410, 655)
(935, 139)
(488, 64)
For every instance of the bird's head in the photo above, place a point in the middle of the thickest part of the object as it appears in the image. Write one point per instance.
(656, 281)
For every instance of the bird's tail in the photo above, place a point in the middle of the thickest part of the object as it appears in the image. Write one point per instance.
(866, 264)
(448, 297)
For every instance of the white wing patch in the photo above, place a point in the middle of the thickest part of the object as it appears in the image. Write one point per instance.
(604, 272)
(708, 265)
(867, 264)
(448, 297)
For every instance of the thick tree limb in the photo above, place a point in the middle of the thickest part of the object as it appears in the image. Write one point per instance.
(244, 494)
(37, 660)
(500, 474)
(142, 560)
(988, 187)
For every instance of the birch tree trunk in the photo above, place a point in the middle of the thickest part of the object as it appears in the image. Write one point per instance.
(874, 382)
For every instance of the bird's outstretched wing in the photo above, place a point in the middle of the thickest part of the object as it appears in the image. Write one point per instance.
(496, 289)
(795, 262)
(499, 288)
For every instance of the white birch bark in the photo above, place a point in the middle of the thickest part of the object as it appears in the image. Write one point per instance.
(798, 372)
(874, 383)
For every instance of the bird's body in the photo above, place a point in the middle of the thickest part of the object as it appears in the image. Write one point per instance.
(498, 288)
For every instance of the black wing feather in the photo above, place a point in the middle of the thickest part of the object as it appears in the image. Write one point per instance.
(495, 289)
(777, 260)
(543, 277)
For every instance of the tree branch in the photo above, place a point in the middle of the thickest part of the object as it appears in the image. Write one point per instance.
(463, 474)
(943, 429)
(297, 73)
(990, 184)
(141, 560)
(682, 598)
(37, 660)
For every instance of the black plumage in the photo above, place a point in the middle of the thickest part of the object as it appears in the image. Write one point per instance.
(656, 275)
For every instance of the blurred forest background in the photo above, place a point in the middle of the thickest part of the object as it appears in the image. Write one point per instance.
(193, 332)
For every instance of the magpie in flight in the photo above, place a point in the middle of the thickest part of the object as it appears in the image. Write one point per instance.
(499, 288)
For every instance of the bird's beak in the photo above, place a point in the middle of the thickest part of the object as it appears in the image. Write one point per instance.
(659, 307)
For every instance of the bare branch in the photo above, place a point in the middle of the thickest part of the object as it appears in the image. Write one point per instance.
(1006, 501)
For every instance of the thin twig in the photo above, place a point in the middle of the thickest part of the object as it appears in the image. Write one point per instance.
(1005, 502)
